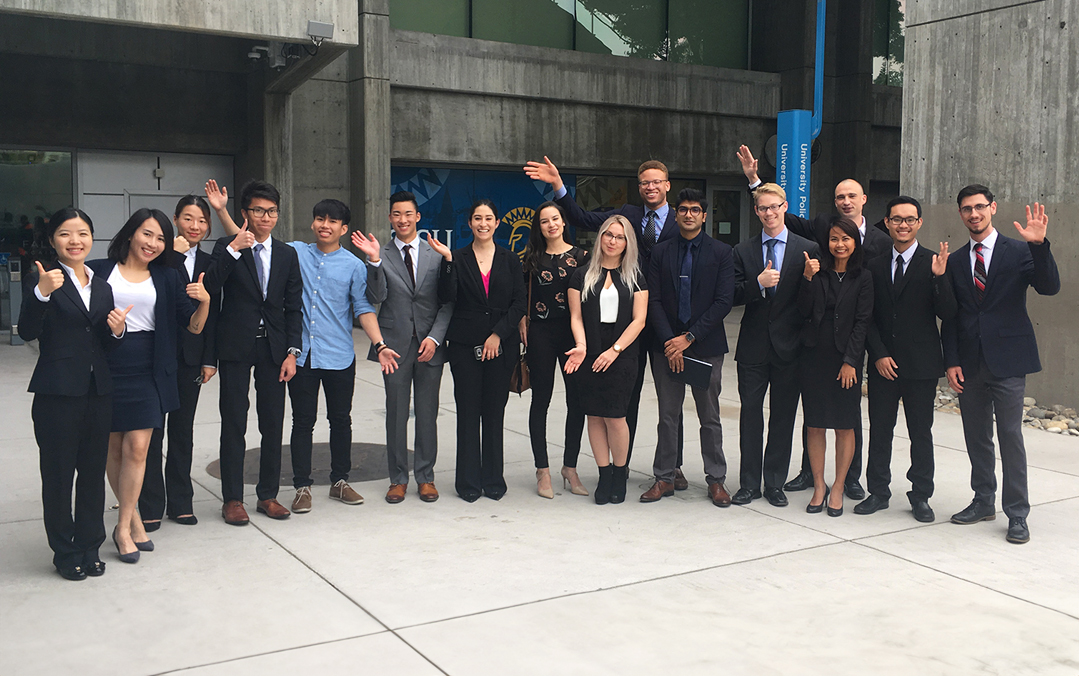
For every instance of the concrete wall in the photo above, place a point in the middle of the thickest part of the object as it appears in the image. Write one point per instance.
(991, 95)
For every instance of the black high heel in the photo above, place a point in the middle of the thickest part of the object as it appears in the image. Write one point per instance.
(133, 557)
(603, 489)
(618, 484)
(833, 511)
(817, 509)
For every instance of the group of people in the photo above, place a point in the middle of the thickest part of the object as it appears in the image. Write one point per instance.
(127, 342)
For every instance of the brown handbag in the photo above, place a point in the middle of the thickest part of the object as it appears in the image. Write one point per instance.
(519, 379)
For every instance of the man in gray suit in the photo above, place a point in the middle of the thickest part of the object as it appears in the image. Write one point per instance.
(402, 275)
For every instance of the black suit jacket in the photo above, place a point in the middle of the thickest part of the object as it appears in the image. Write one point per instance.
(475, 314)
(711, 296)
(905, 315)
(199, 349)
(242, 304)
(72, 340)
(172, 314)
(853, 313)
(773, 321)
(876, 242)
(998, 329)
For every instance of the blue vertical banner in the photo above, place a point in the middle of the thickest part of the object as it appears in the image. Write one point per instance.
(794, 144)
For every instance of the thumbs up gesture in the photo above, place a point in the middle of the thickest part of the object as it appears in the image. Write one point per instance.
(245, 239)
(812, 266)
(196, 291)
(118, 320)
(49, 280)
(768, 278)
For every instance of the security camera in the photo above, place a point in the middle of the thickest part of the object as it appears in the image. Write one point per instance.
(319, 31)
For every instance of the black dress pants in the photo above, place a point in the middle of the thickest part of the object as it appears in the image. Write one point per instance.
(548, 342)
(174, 492)
(303, 392)
(772, 462)
(480, 389)
(884, 396)
(73, 439)
(270, 407)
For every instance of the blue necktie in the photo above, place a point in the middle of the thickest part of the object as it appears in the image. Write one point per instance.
(770, 258)
(258, 268)
(685, 279)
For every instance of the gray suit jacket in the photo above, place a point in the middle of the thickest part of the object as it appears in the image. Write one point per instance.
(408, 311)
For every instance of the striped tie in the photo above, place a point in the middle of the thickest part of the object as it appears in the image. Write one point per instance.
(979, 271)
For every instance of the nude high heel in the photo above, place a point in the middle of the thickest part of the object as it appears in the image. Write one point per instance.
(543, 476)
(571, 481)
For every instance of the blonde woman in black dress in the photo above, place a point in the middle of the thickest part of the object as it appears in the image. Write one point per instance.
(608, 304)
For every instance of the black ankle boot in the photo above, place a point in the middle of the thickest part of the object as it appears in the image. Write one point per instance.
(603, 490)
(618, 484)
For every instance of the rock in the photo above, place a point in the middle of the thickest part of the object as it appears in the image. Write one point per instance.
(1036, 413)
(1029, 401)
(1056, 425)
(1054, 430)
(1057, 408)
(1074, 433)
(1059, 417)
(1073, 425)
(1070, 412)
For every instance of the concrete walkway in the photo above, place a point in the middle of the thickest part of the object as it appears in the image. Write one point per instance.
(534, 586)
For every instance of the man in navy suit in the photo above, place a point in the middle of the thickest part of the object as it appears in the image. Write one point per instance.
(654, 222)
(691, 291)
(990, 347)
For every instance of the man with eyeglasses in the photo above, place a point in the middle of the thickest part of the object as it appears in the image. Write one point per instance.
(690, 292)
(654, 222)
(259, 327)
(911, 291)
(989, 348)
(850, 199)
(767, 272)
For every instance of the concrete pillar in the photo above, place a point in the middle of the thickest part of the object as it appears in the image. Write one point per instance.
(277, 134)
(369, 120)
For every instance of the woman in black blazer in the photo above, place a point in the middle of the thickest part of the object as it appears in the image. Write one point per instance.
(486, 285)
(69, 311)
(144, 367)
(836, 298)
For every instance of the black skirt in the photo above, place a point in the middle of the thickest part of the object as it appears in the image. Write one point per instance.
(825, 403)
(606, 394)
(136, 404)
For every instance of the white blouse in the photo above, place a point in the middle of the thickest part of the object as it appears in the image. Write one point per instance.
(608, 305)
(142, 295)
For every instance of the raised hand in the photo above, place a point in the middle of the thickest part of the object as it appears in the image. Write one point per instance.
(49, 280)
(1037, 223)
(387, 360)
(117, 320)
(576, 358)
(427, 350)
(812, 266)
(245, 239)
(439, 247)
(940, 261)
(749, 163)
(544, 171)
(180, 245)
(218, 198)
(367, 244)
(196, 291)
(768, 278)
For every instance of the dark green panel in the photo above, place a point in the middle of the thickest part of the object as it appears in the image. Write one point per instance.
(445, 17)
(543, 23)
(622, 28)
(709, 32)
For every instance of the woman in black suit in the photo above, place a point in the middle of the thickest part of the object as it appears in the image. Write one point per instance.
(144, 367)
(486, 285)
(172, 494)
(836, 298)
(70, 312)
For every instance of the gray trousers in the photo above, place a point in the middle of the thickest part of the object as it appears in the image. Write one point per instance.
(671, 394)
(983, 396)
(426, 379)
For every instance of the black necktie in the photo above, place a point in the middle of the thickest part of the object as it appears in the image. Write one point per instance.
(649, 232)
(408, 263)
(898, 278)
(685, 277)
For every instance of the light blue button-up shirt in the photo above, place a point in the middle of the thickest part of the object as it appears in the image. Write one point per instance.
(331, 283)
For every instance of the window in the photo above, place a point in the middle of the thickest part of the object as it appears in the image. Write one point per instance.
(34, 184)
(543, 23)
(888, 38)
(445, 17)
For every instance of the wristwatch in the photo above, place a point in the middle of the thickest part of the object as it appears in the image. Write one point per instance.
(617, 348)
(689, 336)
(294, 351)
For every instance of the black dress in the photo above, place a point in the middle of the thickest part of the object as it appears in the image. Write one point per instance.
(825, 403)
(606, 394)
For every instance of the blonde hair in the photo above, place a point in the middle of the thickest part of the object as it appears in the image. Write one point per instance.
(629, 268)
(769, 189)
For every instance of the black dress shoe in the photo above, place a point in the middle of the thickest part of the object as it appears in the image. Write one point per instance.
(95, 569)
(922, 511)
(744, 496)
(189, 520)
(976, 511)
(775, 497)
(495, 494)
(73, 573)
(801, 482)
(874, 503)
(470, 496)
(854, 490)
(1018, 533)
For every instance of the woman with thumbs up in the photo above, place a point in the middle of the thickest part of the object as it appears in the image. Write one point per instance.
(144, 368)
(70, 313)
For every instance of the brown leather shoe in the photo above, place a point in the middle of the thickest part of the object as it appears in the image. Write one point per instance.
(234, 513)
(273, 509)
(680, 481)
(660, 489)
(428, 492)
(720, 496)
(396, 493)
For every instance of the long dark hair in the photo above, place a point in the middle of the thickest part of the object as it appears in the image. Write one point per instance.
(854, 263)
(121, 243)
(44, 230)
(537, 243)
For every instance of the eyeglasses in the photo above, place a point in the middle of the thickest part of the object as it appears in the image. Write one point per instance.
(259, 212)
(613, 237)
(653, 183)
(967, 211)
(696, 211)
(899, 220)
(765, 208)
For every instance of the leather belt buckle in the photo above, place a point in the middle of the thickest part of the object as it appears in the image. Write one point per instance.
(261, 332)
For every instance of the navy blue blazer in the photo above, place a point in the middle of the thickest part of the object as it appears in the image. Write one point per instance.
(711, 298)
(998, 329)
(172, 314)
(199, 349)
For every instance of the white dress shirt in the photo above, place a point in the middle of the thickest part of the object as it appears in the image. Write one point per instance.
(907, 255)
(84, 291)
(988, 245)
